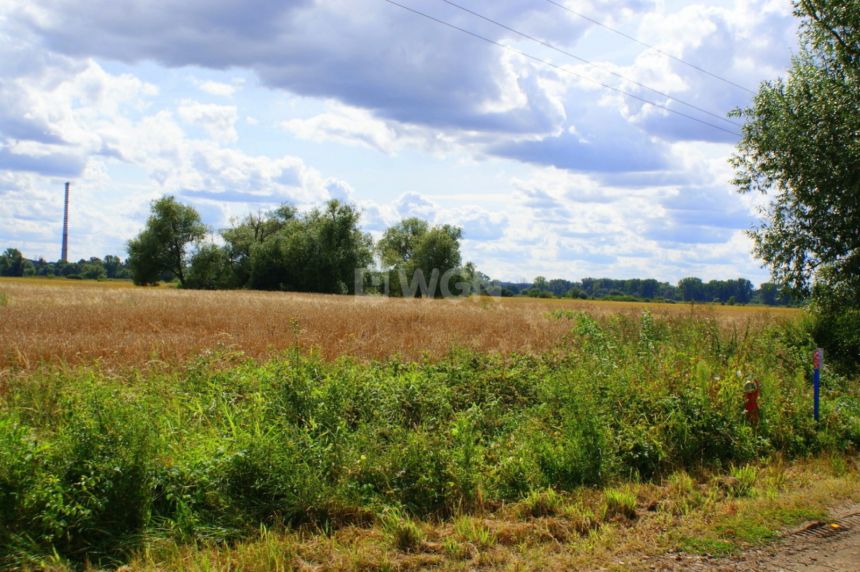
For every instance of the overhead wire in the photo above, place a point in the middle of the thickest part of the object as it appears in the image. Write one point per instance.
(560, 68)
(649, 46)
(588, 62)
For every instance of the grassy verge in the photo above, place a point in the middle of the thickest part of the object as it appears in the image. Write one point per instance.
(548, 530)
(476, 458)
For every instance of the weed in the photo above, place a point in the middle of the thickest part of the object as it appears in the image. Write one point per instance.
(683, 497)
(96, 461)
(620, 503)
(744, 480)
(473, 530)
(545, 502)
(404, 532)
(581, 519)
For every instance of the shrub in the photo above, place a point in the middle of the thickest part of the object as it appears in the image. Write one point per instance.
(838, 332)
(277, 476)
(96, 489)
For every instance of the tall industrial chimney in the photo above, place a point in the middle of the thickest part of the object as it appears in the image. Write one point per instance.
(65, 255)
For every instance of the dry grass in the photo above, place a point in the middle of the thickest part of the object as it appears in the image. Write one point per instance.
(80, 322)
(503, 540)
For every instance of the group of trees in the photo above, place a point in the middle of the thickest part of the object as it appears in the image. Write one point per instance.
(278, 250)
(323, 250)
(13, 263)
(419, 258)
(738, 291)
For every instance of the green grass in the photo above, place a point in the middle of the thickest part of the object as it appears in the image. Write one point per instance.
(753, 525)
(709, 546)
(620, 503)
(93, 466)
(470, 529)
(405, 534)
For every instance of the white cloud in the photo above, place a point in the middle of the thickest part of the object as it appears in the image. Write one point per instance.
(346, 125)
(217, 88)
(219, 121)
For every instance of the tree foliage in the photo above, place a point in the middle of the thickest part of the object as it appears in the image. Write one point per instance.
(801, 146)
(319, 251)
(12, 263)
(418, 255)
(164, 245)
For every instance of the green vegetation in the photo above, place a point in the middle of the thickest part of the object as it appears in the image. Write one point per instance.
(164, 246)
(92, 466)
(620, 503)
(418, 252)
(12, 263)
(690, 289)
(800, 146)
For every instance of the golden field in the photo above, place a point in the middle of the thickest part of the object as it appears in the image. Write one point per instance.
(57, 321)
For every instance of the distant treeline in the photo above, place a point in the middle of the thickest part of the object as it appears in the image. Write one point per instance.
(691, 289)
(13, 263)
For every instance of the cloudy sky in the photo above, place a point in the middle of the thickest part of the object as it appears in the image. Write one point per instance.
(569, 152)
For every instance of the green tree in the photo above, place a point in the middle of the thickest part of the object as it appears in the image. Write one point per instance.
(253, 230)
(12, 263)
(114, 266)
(800, 144)
(209, 269)
(692, 289)
(423, 259)
(93, 269)
(340, 248)
(318, 252)
(164, 245)
(769, 293)
(399, 242)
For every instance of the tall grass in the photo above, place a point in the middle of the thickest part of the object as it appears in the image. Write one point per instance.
(93, 464)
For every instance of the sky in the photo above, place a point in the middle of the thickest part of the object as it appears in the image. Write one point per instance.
(561, 148)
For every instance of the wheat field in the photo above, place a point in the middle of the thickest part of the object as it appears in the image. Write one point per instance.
(115, 325)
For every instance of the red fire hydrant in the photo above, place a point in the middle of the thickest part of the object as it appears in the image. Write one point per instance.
(751, 393)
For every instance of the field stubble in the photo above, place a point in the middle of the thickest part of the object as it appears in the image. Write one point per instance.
(75, 323)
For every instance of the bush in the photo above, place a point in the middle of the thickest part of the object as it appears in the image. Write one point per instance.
(838, 332)
(277, 476)
(95, 490)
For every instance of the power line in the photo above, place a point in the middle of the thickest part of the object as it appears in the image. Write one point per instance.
(649, 46)
(560, 68)
(588, 62)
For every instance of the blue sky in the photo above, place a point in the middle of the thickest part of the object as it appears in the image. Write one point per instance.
(235, 107)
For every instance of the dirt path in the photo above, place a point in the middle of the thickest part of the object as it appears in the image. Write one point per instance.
(825, 546)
